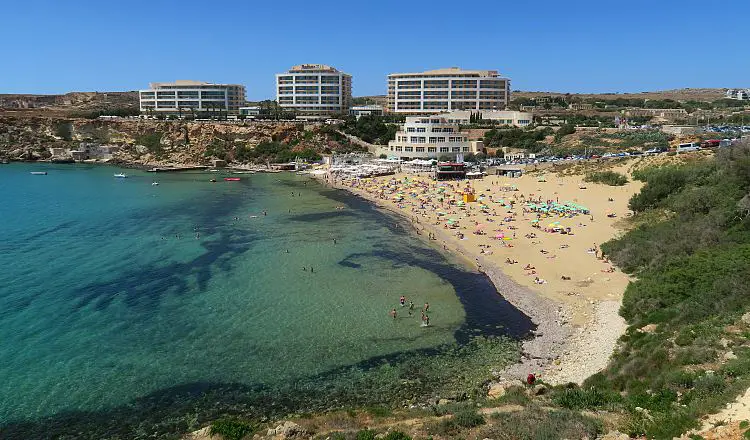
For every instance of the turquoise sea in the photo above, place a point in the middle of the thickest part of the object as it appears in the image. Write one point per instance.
(119, 298)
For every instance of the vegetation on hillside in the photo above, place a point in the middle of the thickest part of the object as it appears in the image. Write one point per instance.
(371, 129)
(526, 139)
(607, 177)
(684, 354)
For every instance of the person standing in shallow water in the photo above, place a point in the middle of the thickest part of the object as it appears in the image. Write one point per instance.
(393, 313)
(402, 300)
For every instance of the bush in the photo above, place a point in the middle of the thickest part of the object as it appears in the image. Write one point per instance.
(537, 423)
(366, 434)
(396, 435)
(231, 429)
(468, 418)
(607, 177)
(578, 398)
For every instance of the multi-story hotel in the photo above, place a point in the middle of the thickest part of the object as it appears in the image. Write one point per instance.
(443, 90)
(314, 90)
(185, 96)
(425, 137)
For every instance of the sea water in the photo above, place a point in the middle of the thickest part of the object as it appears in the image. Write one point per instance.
(113, 289)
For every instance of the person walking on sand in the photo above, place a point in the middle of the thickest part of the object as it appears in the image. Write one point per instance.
(426, 307)
(393, 313)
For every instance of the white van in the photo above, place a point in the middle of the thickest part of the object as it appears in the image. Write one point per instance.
(686, 148)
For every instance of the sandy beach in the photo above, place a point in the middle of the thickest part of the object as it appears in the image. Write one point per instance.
(537, 237)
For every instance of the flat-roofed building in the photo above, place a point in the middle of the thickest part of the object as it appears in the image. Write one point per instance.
(442, 90)
(366, 110)
(314, 90)
(183, 96)
(500, 117)
(430, 137)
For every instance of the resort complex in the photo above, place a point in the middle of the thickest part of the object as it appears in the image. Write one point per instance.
(186, 96)
(448, 89)
(314, 90)
(423, 137)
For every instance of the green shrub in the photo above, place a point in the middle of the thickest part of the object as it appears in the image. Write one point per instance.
(231, 429)
(396, 435)
(607, 177)
(579, 398)
(468, 418)
(366, 434)
(537, 423)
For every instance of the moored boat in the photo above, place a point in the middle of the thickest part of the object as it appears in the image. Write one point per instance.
(121, 176)
(231, 179)
(39, 173)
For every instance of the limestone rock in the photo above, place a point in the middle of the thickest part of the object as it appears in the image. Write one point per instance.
(649, 328)
(289, 430)
(746, 318)
(498, 389)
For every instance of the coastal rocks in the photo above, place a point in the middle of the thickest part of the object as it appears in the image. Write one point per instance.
(648, 328)
(498, 389)
(615, 435)
(746, 318)
(287, 430)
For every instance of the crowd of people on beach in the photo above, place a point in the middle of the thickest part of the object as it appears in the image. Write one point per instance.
(458, 209)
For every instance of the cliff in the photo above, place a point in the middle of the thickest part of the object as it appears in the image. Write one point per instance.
(148, 142)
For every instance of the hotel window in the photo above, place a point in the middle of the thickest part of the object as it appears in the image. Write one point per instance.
(433, 140)
(165, 95)
(456, 149)
(444, 149)
(408, 149)
(413, 139)
(421, 140)
(147, 95)
(410, 84)
(419, 149)
(431, 149)
(213, 94)
(466, 149)
(329, 79)
(331, 90)
(436, 84)
(441, 139)
(165, 104)
(185, 94)
(398, 148)
(420, 129)
(410, 129)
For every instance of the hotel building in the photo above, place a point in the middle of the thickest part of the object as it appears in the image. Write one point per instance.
(183, 95)
(314, 90)
(443, 90)
(499, 117)
(423, 137)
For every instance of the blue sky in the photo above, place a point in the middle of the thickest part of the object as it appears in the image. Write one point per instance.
(56, 46)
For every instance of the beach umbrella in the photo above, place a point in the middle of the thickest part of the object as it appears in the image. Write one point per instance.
(499, 236)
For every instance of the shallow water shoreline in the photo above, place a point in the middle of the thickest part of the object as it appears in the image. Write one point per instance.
(553, 334)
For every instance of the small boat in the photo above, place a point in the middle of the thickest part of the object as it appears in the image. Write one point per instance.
(121, 176)
(39, 173)
(232, 179)
(154, 183)
(212, 180)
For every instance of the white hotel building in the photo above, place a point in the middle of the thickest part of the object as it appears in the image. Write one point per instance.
(443, 90)
(314, 90)
(430, 137)
(184, 96)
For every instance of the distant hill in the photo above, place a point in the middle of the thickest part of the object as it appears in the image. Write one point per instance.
(676, 94)
(69, 102)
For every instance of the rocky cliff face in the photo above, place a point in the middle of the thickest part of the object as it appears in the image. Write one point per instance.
(148, 142)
